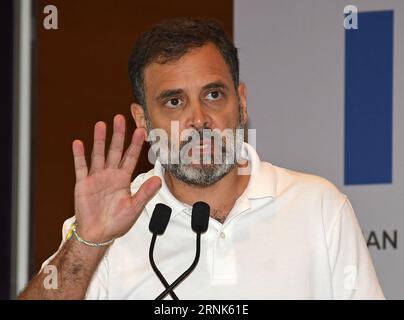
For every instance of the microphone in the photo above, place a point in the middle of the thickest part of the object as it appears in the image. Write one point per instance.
(200, 217)
(199, 223)
(157, 226)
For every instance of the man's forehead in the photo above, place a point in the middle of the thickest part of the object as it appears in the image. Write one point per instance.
(197, 67)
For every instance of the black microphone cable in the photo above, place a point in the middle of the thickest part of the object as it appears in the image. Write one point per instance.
(157, 226)
(199, 223)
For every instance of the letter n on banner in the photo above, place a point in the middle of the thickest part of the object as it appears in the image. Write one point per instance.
(369, 99)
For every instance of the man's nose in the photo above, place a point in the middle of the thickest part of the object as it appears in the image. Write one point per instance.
(199, 118)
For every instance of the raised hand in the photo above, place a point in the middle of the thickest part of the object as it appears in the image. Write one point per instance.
(104, 206)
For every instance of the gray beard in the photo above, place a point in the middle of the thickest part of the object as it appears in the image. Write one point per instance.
(203, 175)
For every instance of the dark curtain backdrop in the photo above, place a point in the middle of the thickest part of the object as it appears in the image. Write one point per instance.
(81, 77)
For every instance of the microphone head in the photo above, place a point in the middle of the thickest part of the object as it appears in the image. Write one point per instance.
(200, 216)
(160, 218)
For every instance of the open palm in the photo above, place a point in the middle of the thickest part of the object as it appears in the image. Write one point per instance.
(105, 208)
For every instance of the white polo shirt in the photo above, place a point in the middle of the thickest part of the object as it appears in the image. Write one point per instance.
(289, 236)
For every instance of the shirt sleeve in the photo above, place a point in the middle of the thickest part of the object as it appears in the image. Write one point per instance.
(97, 289)
(353, 273)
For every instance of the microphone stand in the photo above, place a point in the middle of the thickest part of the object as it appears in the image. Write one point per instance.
(157, 271)
(171, 287)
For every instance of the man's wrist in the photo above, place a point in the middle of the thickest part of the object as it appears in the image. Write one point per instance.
(74, 233)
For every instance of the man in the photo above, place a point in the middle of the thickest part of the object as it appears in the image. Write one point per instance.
(273, 233)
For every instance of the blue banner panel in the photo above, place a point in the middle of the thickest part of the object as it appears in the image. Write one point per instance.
(369, 99)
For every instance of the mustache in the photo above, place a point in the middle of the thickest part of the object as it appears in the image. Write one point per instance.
(202, 136)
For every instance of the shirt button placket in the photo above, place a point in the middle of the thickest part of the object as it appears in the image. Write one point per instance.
(224, 266)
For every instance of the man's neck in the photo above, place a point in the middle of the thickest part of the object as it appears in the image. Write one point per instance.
(220, 196)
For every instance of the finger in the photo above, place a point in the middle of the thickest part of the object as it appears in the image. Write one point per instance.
(98, 154)
(80, 164)
(131, 156)
(146, 191)
(118, 138)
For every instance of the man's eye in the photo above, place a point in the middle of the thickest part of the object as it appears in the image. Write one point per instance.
(173, 103)
(214, 95)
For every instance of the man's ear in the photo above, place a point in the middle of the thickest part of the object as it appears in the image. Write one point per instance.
(242, 93)
(138, 115)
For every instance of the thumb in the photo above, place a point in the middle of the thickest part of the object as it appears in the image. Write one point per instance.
(146, 191)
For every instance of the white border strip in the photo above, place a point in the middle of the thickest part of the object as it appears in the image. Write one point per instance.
(24, 143)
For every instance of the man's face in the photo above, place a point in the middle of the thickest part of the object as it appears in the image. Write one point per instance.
(197, 91)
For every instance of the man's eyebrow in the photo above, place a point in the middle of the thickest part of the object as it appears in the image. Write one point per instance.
(175, 92)
(216, 85)
(168, 93)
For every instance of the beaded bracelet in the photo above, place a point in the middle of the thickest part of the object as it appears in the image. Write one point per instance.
(73, 231)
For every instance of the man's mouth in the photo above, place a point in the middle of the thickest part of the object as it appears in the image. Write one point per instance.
(205, 147)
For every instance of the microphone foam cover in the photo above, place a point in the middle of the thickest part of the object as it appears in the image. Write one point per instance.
(160, 218)
(200, 216)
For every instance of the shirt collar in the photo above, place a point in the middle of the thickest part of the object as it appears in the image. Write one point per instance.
(263, 180)
(262, 183)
